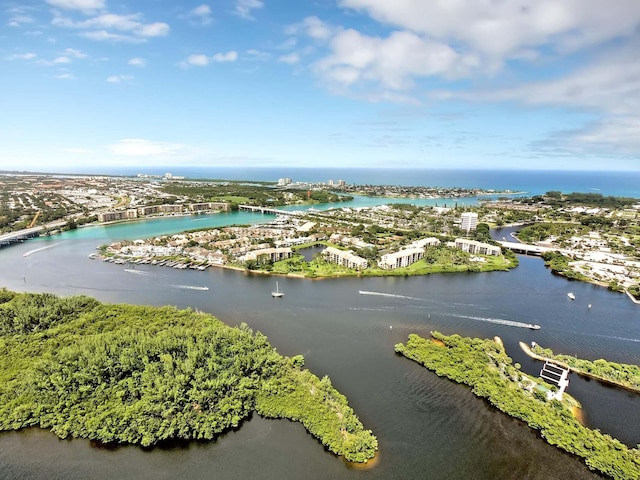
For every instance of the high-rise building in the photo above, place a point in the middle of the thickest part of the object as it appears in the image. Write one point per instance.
(468, 221)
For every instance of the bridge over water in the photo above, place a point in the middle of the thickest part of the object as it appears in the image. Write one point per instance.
(27, 233)
(20, 235)
(524, 248)
(269, 210)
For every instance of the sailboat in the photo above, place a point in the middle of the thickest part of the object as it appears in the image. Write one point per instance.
(277, 292)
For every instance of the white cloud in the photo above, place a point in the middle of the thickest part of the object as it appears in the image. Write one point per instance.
(392, 62)
(17, 20)
(202, 14)
(157, 29)
(137, 62)
(22, 56)
(104, 26)
(243, 8)
(138, 147)
(617, 134)
(312, 27)
(86, 6)
(103, 35)
(119, 78)
(230, 56)
(258, 55)
(197, 60)
(502, 30)
(61, 60)
(291, 58)
(202, 60)
(72, 52)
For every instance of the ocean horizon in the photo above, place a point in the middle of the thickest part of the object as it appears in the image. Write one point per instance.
(531, 182)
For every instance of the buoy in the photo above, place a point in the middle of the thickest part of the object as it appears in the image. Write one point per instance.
(589, 305)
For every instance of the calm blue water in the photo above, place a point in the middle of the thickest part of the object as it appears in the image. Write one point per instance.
(534, 182)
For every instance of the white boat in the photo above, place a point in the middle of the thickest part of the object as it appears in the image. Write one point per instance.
(534, 326)
(571, 296)
(277, 292)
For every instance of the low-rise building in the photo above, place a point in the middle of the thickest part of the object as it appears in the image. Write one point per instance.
(401, 258)
(266, 255)
(205, 206)
(119, 215)
(407, 256)
(475, 247)
(345, 258)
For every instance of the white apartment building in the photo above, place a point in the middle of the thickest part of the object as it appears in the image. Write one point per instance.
(268, 254)
(468, 221)
(475, 247)
(407, 256)
(426, 242)
(345, 258)
(401, 258)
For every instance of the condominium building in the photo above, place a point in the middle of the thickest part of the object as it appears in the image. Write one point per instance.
(120, 215)
(475, 247)
(407, 256)
(265, 255)
(204, 206)
(157, 209)
(468, 221)
(401, 258)
(345, 258)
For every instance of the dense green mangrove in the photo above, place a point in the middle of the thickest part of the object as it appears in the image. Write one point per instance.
(622, 374)
(141, 375)
(485, 366)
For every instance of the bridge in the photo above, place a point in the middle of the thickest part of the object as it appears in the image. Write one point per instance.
(524, 248)
(269, 210)
(20, 235)
(27, 233)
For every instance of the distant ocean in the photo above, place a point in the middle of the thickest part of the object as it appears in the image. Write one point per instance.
(533, 182)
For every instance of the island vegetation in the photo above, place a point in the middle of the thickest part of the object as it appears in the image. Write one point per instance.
(621, 374)
(144, 375)
(485, 366)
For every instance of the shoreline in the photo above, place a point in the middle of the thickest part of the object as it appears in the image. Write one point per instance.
(530, 353)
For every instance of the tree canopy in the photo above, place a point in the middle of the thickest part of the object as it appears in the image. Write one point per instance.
(141, 375)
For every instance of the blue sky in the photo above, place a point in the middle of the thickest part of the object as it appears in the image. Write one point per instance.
(533, 84)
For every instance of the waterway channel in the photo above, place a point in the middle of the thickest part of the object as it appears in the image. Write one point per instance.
(427, 427)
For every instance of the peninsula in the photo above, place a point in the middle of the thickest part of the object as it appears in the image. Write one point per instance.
(485, 366)
(145, 375)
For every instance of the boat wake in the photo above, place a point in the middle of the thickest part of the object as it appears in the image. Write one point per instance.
(191, 287)
(391, 295)
(139, 272)
(499, 321)
(30, 252)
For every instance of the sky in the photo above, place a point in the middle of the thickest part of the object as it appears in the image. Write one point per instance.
(473, 84)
